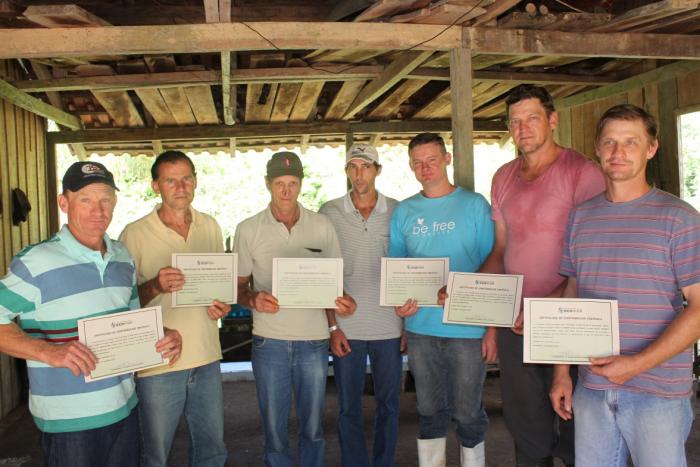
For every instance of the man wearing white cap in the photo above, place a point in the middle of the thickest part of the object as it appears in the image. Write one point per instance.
(361, 220)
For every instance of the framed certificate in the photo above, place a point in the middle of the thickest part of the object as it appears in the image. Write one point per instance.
(559, 330)
(123, 342)
(307, 282)
(412, 278)
(208, 277)
(483, 299)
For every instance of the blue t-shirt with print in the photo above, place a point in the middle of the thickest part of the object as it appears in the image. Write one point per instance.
(458, 226)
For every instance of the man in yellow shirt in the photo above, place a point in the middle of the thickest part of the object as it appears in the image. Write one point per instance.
(193, 385)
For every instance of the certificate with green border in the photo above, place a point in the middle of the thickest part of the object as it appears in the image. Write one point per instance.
(307, 282)
(569, 330)
(123, 342)
(419, 279)
(208, 277)
(483, 299)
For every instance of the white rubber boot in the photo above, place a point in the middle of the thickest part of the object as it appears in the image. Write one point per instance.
(431, 452)
(473, 457)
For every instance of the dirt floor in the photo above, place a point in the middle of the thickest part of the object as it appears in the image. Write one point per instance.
(19, 438)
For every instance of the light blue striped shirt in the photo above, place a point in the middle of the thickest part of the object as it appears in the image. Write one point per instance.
(49, 287)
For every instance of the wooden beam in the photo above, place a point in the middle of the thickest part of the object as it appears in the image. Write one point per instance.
(154, 103)
(209, 77)
(435, 108)
(637, 81)
(391, 75)
(343, 98)
(225, 11)
(215, 37)
(62, 16)
(202, 104)
(214, 132)
(226, 88)
(120, 107)
(284, 101)
(211, 11)
(305, 105)
(179, 106)
(646, 14)
(582, 44)
(462, 123)
(286, 75)
(494, 10)
(388, 107)
(157, 147)
(37, 106)
(232, 147)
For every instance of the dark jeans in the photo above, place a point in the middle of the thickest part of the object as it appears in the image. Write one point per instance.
(350, 372)
(116, 445)
(449, 375)
(538, 432)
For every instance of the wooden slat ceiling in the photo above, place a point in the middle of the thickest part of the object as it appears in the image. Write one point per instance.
(357, 85)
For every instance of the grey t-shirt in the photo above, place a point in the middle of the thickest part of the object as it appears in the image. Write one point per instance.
(363, 243)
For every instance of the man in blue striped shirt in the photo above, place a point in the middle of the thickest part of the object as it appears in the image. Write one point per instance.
(640, 246)
(77, 273)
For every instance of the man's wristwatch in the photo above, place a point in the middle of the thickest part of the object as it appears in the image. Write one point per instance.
(335, 327)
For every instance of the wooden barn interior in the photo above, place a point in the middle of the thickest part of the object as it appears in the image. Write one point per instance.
(141, 76)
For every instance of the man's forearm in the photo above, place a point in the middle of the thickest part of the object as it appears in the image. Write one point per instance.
(148, 291)
(18, 344)
(330, 315)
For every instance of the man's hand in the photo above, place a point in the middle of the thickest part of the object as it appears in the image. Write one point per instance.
(169, 280)
(518, 326)
(442, 295)
(345, 305)
(340, 346)
(407, 309)
(265, 302)
(489, 349)
(218, 310)
(170, 346)
(617, 368)
(561, 391)
(77, 357)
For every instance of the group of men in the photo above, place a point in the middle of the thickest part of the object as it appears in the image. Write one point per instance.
(572, 230)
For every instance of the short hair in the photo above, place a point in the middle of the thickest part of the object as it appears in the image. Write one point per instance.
(426, 138)
(530, 91)
(627, 112)
(169, 157)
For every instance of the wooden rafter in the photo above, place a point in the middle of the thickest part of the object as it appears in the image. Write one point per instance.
(657, 74)
(32, 104)
(392, 102)
(392, 74)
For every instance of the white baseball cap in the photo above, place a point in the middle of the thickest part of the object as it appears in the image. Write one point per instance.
(363, 151)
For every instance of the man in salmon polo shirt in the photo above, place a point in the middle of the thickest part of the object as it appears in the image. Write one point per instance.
(640, 246)
(193, 386)
(531, 199)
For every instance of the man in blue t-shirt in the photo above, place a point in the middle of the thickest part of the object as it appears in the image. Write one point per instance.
(446, 360)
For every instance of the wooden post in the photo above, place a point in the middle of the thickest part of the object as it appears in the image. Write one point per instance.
(462, 119)
(52, 187)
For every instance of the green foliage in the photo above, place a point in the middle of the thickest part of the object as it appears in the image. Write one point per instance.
(233, 189)
(690, 157)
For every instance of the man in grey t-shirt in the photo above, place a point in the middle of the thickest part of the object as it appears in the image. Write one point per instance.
(361, 220)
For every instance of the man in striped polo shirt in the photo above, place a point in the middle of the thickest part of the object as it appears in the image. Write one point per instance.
(641, 246)
(361, 220)
(78, 273)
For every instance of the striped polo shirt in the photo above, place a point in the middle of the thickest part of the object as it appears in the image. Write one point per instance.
(49, 287)
(640, 253)
(363, 243)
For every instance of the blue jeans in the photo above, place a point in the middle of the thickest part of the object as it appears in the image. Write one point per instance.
(612, 424)
(349, 371)
(449, 375)
(197, 393)
(282, 368)
(115, 445)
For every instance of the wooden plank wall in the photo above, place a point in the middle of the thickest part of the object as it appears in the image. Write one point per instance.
(22, 165)
(663, 100)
